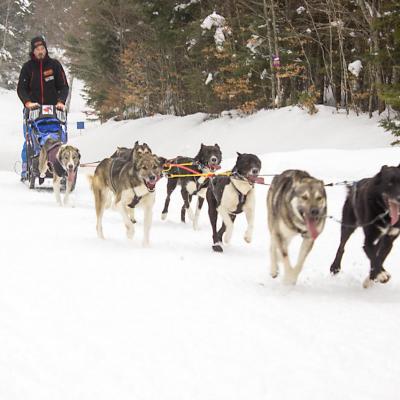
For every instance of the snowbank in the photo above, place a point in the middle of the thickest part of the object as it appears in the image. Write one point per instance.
(287, 129)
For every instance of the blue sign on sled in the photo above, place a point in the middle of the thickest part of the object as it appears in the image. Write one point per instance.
(80, 125)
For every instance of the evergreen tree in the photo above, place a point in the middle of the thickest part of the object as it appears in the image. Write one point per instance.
(14, 15)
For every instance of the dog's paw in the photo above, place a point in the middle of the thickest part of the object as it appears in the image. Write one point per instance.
(195, 225)
(130, 231)
(335, 269)
(274, 274)
(247, 237)
(367, 283)
(42, 175)
(383, 277)
(164, 216)
(145, 244)
(217, 247)
(289, 280)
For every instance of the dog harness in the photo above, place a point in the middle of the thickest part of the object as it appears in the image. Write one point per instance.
(53, 162)
(135, 201)
(242, 200)
(241, 197)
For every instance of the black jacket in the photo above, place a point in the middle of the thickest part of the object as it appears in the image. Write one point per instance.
(43, 82)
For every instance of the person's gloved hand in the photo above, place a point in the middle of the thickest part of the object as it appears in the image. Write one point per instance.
(60, 106)
(31, 105)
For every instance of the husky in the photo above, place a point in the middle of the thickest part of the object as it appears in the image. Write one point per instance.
(129, 184)
(62, 161)
(229, 196)
(296, 205)
(373, 204)
(207, 160)
(127, 153)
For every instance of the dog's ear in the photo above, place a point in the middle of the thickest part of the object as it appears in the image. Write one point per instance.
(161, 160)
(378, 176)
(217, 146)
(202, 146)
(239, 154)
(136, 144)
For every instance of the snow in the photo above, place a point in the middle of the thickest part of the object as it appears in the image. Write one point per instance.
(264, 74)
(329, 98)
(300, 10)
(183, 6)
(91, 319)
(209, 78)
(219, 22)
(355, 67)
(5, 54)
(337, 24)
(191, 43)
(213, 20)
(254, 42)
(219, 37)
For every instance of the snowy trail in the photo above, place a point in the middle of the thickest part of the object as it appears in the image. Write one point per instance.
(82, 318)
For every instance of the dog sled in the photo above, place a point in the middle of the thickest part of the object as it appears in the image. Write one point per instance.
(41, 124)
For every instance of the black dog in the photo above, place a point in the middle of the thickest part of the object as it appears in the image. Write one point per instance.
(207, 160)
(231, 195)
(372, 204)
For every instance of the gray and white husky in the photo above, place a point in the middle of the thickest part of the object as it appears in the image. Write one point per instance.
(296, 205)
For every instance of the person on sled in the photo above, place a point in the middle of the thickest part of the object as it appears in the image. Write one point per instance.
(42, 81)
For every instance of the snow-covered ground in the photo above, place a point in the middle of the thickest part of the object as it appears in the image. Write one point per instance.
(82, 318)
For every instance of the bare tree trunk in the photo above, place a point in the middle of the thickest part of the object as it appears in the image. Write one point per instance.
(5, 28)
(273, 90)
(6, 23)
(370, 14)
(276, 46)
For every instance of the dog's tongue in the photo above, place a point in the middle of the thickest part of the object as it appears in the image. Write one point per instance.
(71, 176)
(152, 184)
(394, 212)
(256, 179)
(312, 229)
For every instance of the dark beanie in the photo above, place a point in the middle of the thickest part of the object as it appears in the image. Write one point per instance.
(37, 41)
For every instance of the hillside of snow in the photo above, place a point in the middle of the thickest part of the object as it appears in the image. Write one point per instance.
(82, 318)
